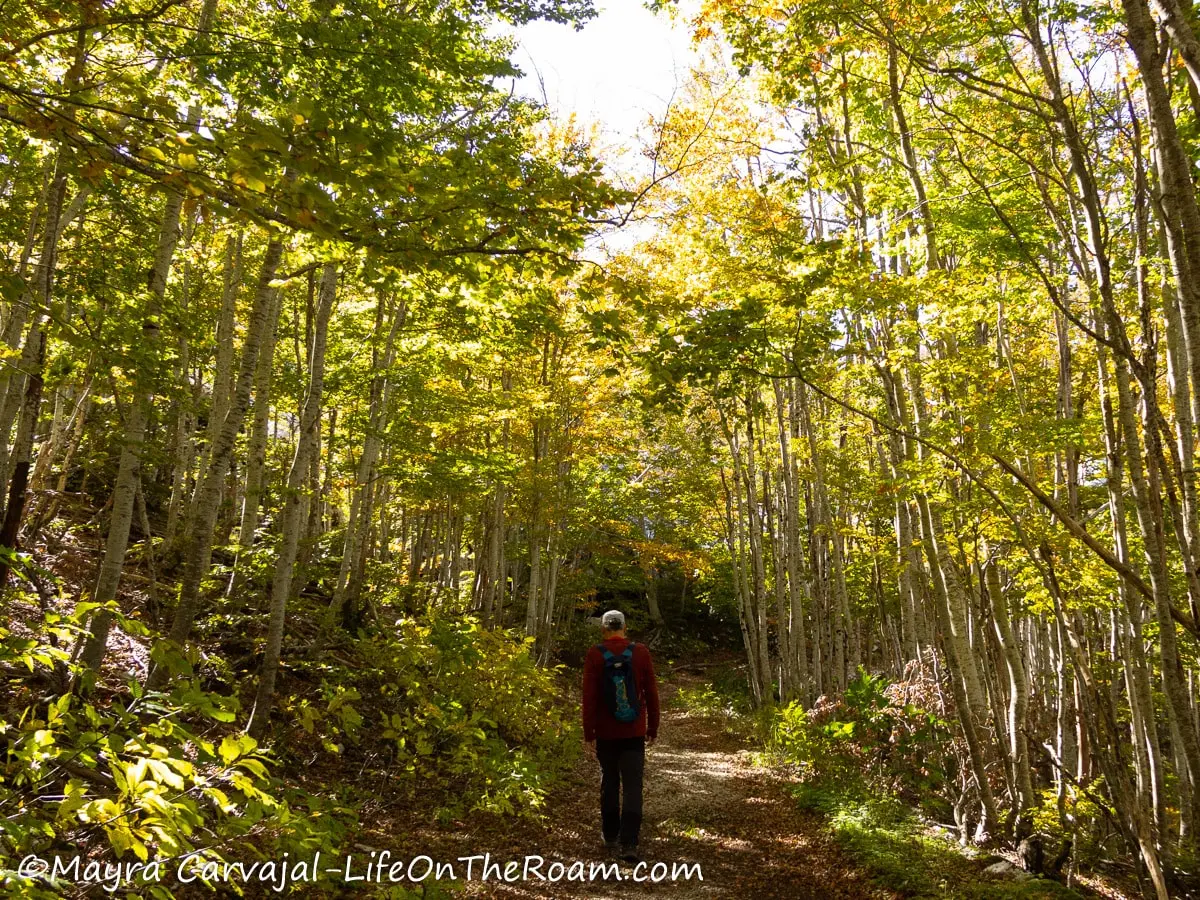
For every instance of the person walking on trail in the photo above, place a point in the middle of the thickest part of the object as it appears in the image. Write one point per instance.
(620, 714)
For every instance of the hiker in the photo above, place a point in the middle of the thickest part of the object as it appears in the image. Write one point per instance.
(620, 713)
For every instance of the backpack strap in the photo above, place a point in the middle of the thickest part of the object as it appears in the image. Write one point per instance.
(608, 655)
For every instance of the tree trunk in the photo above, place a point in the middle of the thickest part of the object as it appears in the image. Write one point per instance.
(294, 505)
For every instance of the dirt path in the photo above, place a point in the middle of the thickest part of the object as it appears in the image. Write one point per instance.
(705, 803)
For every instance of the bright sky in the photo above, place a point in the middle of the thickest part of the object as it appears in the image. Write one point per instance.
(616, 74)
(618, 71)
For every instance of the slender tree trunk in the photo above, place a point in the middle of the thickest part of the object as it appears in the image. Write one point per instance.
(294, 505)
(14, 509)
(345, 597)
(1018, 701)
(256, 454)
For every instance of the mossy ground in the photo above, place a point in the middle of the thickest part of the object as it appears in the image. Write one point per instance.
(886, 838)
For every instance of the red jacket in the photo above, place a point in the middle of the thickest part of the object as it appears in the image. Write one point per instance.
(598, 722)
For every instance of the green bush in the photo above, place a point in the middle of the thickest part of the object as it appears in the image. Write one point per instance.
(458, 705)
(863, 762)
(702, 698)
(445, 707)
(151, 775)
(869, 733)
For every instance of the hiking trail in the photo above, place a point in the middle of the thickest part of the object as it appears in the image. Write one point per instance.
(706, 802)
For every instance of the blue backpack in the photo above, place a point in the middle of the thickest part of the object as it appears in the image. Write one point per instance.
(620, 690)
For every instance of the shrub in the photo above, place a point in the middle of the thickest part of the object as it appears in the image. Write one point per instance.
(151, 774)
(869, 733)
(458, 705)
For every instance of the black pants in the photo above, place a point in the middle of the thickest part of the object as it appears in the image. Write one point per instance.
(622, 762)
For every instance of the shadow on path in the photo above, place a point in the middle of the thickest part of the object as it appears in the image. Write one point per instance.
(706, 803)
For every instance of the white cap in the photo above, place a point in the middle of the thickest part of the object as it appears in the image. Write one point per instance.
(613, 620)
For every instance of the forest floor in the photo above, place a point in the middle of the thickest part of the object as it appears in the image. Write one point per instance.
(706, 802)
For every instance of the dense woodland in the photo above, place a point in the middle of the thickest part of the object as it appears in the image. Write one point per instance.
(321, 414)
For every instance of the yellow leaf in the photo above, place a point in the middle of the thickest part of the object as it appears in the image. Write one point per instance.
(249, 181)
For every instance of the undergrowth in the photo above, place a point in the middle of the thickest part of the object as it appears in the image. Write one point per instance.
(444, 702)
(881, 834)
(445, 715)
(872, 759)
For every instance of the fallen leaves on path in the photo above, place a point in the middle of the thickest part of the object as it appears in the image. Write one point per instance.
(706, 802)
